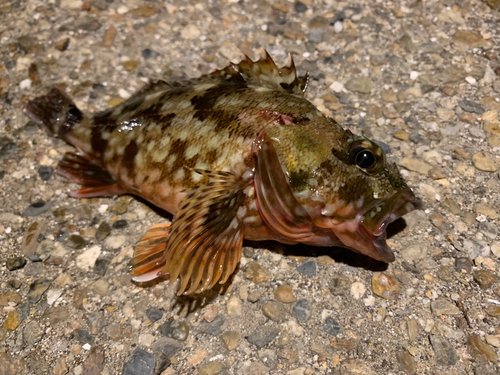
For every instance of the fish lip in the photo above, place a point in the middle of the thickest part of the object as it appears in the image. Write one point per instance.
(400, 204)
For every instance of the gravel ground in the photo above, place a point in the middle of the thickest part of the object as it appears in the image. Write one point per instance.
(419, 76)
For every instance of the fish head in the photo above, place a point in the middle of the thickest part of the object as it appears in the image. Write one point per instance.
(342, 182)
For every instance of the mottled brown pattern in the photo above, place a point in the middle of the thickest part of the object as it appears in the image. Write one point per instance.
(128, 157)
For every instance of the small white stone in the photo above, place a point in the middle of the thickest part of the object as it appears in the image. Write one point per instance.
(122, 10)
(338, 27)
(146, 339)
(369, 301)
(102, 208)
(124, 94)
(495, 249)
(358, 289)
(115, 242)
(25, 84)
(471, 80)
(337, 86)
(294, 327)
(190, 32)
(86, 260)
(53, 295)
(414, 75)
(86, 346)
(234, 306)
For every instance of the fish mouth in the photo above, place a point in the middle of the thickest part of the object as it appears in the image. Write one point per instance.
(366, 233)
(373, 223)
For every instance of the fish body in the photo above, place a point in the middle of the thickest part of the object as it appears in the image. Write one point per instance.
(239, 153)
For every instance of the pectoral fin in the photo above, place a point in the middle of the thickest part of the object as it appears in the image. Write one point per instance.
(204, 242)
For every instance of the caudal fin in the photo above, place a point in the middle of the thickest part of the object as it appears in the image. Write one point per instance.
(55, 112)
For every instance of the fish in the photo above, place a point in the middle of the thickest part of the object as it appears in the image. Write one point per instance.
(236, 154)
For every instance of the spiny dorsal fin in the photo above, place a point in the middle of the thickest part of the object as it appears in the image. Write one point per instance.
(265, 73)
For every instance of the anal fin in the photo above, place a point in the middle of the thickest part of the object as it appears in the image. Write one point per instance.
(149, 254)
(82, 170)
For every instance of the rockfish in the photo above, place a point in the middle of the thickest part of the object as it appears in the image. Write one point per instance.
(235, 154)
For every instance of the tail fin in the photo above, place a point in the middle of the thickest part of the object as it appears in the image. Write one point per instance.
(55, 112)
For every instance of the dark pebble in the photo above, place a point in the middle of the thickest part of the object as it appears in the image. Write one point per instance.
(263, 335)
(167, 346)
(75, 242)
(463, 264)
(45, 173)
(94, 363)
(37, 208)
(470, 106)
(154, 314)
(83, 336)
(2, 174)
(307, 269)
(213, 328)
(15, 263)
(338, 17)
(177, 330)
(37, 288)
(149, 54)
(120, 224)
(15, 284)
(302, 310)
(331, 327)
(141, 363)
(103, 231)
(248, 252)
(24, 311)
(34, 258)
(300, 7)
(443, 351)
(384, 146)
(485, 278)
(101, 266)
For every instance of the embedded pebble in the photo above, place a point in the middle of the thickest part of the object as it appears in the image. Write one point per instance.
(485, 278)
(87, 259)
(256, 273)
(358, 289)
(274, 310)
(302, 310)
(263, 335)
(444, 307)
(479, 350)
(141, 362)
(15, 263)
(13, 321)
(234, 306)
(385, 286)
(177, 330)
(361, 85)
(483, 162)
(284, 293)
(444, 352)
(231, 339)
(307, 269)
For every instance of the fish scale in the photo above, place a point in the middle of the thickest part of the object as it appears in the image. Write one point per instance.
(238, 153)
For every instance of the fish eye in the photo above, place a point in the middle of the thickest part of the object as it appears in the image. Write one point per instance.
(366, 155)
(365, 159)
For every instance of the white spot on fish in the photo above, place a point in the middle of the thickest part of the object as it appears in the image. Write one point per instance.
(179, 175)
(242, 210)
(139, 160)
(171, 160)
(192, 151)
(105, 135)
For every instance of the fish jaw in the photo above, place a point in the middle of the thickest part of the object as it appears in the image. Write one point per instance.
(366, 232)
